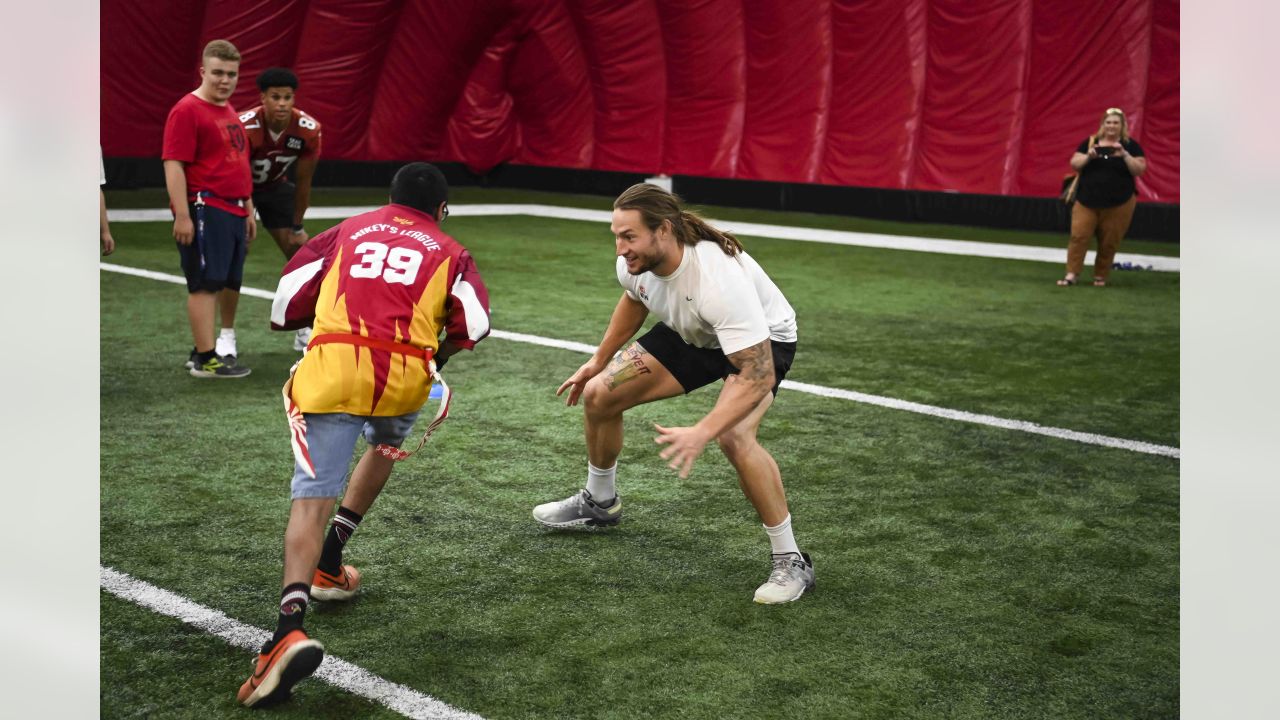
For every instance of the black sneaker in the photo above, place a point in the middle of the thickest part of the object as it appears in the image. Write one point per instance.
(192, 360)
(214, 367)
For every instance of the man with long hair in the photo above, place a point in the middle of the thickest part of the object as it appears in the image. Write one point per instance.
(721, 317)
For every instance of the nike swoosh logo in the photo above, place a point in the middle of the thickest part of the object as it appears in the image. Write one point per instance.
(257, 674)
(344, 584)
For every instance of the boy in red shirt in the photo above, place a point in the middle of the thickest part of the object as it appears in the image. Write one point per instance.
(206, 171)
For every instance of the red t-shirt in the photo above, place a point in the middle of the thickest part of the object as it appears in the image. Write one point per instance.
(271, 158)
(211, 141)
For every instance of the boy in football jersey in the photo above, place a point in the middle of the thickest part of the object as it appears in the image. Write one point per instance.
(722, 317)
(282, 136)
(392, 297)
(206, 171)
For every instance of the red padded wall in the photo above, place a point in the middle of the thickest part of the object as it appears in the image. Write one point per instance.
(703, 45)
(878, 71)
(788, 90)
(917, 94)
(974, 84)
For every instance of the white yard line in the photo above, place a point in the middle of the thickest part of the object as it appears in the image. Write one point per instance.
(887, 402)
(333, 670)
(779, 232)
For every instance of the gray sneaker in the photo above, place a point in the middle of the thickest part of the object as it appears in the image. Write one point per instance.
(578, 509)
(792, 575)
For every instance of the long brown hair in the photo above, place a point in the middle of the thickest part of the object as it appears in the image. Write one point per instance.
(656, 205)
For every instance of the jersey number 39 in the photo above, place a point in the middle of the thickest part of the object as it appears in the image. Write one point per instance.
(401, 264)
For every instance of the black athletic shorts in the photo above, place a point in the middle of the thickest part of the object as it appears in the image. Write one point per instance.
(275, 205)
(695, 367)
(215, 258)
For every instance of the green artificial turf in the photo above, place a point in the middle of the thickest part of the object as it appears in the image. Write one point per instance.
(963, 571)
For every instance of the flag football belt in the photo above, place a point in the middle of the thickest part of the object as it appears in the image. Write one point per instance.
(298, 423)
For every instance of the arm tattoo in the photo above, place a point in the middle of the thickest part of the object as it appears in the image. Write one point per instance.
(755, 364)
(626, 366)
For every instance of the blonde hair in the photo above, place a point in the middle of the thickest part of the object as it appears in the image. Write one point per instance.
(1124, 123)
(656, 205)
(222, 50)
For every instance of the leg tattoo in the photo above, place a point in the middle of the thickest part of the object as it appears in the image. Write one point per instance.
(626, 366)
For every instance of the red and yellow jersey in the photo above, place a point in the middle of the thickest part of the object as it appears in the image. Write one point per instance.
(390, 275)
(270, 157)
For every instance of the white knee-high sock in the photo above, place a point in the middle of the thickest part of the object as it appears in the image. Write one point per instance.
(600, 483)
(780, 537)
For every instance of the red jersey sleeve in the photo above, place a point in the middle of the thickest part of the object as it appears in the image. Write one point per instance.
(180, 134)
(467, 305)
(294, 305)
(309, 128)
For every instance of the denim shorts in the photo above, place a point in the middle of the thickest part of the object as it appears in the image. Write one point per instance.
(331, 438)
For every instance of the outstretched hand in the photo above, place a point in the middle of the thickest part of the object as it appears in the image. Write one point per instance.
(578, 382)
(684, 445)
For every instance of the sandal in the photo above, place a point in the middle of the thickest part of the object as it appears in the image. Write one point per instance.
(1064, 282)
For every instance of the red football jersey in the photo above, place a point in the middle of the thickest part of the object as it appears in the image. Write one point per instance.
(211, 141)
(271, 157)
(390, 274)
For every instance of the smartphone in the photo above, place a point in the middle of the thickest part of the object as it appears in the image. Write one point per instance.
(1103, 150)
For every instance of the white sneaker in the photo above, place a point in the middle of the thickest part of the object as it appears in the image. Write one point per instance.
(226, 347)
(579, 509)
(301, 339)
(792, 575)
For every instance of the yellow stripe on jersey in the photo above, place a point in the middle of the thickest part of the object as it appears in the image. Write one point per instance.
(335, 377)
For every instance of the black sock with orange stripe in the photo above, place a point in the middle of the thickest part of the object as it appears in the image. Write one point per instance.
(293, 606)
(344, 524)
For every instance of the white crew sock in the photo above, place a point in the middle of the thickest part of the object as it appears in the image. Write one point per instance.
(229, 333)
(600, 483)
(780, 537)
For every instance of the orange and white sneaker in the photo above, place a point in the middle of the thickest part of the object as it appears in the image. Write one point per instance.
(291, 661)
(342, 586)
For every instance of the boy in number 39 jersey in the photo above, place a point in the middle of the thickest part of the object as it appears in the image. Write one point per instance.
(392, 298)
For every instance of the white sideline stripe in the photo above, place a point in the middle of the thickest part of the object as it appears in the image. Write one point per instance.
(333, 670)
(893, 403)
(962, 416)
(777, 232)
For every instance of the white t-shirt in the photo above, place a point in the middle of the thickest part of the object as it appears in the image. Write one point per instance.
(713, 300)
